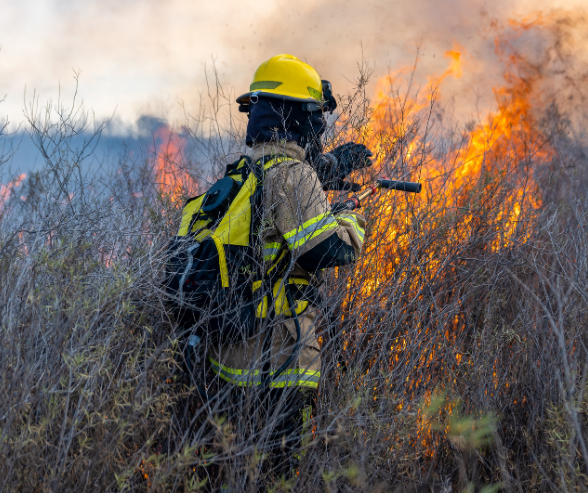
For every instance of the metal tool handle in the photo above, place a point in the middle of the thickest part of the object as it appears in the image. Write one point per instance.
(403, 186)
(355, 202)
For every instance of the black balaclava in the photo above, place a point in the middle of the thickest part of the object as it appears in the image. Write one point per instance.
(273, 120)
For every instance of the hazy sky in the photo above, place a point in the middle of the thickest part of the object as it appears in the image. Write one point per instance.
(145, 56)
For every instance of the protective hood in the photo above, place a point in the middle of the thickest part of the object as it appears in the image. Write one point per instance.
(272, 119)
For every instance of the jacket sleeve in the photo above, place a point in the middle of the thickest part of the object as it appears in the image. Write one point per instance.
(316, 238)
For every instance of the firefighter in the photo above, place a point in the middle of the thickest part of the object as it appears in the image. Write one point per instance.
(299, 237)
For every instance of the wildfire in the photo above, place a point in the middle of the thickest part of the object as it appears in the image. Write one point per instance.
(7, 190)
(170, 174)
(481, 187)
(491, 153)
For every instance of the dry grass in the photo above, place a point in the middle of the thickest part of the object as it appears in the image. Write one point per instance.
(455, 351)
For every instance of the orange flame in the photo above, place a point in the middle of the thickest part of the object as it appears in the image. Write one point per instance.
(7, 190)
(455, 68)
(491, 150)
(170, 174)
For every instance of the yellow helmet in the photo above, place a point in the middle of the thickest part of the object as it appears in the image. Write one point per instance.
(285, 77)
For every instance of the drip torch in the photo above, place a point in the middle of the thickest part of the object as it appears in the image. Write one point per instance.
(355, 201)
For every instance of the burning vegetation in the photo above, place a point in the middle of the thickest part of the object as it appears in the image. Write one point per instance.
(455, 350)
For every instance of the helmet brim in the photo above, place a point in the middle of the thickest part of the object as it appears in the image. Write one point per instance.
(246, 98)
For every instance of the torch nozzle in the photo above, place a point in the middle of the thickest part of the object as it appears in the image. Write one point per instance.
(403, 186)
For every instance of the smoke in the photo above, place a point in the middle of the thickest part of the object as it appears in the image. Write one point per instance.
(144, 57)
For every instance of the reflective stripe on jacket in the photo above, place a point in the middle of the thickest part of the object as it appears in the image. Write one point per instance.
(299, 377)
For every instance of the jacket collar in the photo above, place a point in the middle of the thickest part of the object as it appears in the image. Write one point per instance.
(290, 149)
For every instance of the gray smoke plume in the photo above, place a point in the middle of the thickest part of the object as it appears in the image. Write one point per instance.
(143, 57)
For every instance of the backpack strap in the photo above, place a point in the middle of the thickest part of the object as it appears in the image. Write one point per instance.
(255, 168)
(232, 168)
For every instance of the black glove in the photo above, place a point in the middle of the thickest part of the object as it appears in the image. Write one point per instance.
(334, 166)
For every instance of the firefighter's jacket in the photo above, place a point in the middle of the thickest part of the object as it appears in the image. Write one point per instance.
(296, 221)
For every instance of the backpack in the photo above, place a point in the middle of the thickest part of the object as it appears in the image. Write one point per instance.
(213, 263)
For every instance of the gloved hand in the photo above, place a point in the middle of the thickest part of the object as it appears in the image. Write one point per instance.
(334, 166)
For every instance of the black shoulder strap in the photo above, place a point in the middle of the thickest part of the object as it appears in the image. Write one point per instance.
(232, 167)
(256, 168)
(249, 165)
